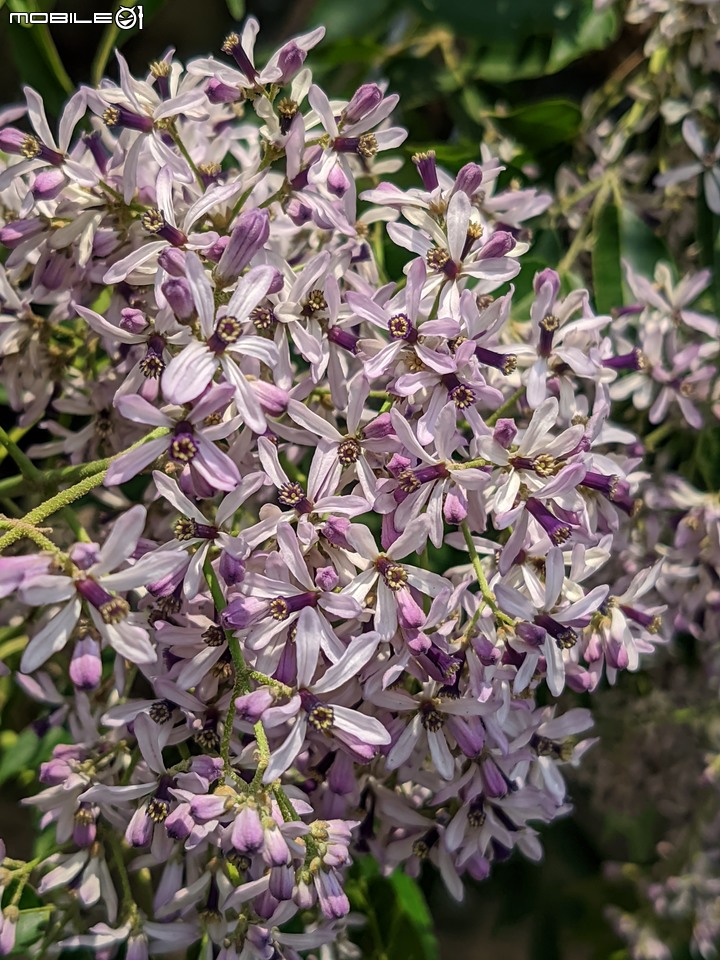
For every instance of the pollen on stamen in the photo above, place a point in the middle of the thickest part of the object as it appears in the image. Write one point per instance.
(115, 610)
(431, 718)
(184, 528)
(291, 494)
(462, 396)
(111, 116)
(184, 449)
(437, 258)
(30, 147)
(263, 319)
(279, 609)
(214, 636)
(314, 302)
(152, 220)
(229, 330)
(349, 451)
(367, 145)
(321, 717)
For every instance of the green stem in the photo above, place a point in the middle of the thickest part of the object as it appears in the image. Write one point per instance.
(184, 151)
(112, 841)
(505, 408)
(485, 592)
(65, 497)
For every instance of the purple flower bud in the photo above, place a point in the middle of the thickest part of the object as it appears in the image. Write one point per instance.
(55, 271)
(172, 261)
(290, 59)
(282, 881)
(180, 824)
(13, 233)
(495, 785)
(84, 826)
(249, 235)
(499, 245)
(219, 92)
(334, 530)
(8, 929)
(217, 249)
(455, 507)
(86, 665)
(179, 296)
(410, 613)
(48, 184)
(251, 706)
(137, 947)
(243, 611)
(326, 578)
(530, 634)
(379, 428)
(247, 833)
(132, 320)
(547, 276)
(276, 851)
(100, 153)
(337, 183)
(208, 807)
(231, 569)
(469, 734)
(299, 213)
(334, 904)
(505, 432)
(84, 555)
(277, 283)
(140, 829)
(272, 399)
(469, 179)
(365, 99)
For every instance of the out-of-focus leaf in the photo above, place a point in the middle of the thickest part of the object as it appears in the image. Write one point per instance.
(349, 21)
(524, 38)
(708, 231)
(399, 924)
(707, 457)
(236, 8)
(37, 60)
(606, 265)
(17, 756)
(639, 245)
(542, 125)
(30, 927)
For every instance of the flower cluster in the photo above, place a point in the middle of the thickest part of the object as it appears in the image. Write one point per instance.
(345, 528)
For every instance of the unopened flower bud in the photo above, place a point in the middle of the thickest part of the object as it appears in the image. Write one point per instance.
(469, 179)
(365, 99)
(250, 234)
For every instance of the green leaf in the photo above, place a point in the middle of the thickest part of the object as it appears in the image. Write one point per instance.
(17, 756)
(30, 927)
(640, 246)
(542, 125)
(37, 60)
(236, 8)
(519, 39)
(708, 230)
(606, 264)
(399, 925)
